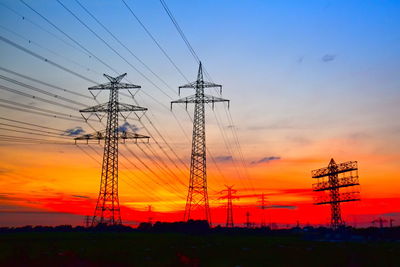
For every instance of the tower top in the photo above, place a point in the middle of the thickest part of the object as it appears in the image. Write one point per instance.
(116, 79)
(200, 73)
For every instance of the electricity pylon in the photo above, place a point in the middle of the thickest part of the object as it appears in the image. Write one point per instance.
(87, 221)
(349, 177)
(262, 201)
(150, 212)
(197, 197)
(229, 206)
(248, 223)
(107, 208)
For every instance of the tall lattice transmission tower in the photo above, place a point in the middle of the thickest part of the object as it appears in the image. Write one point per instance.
(107, 209)
(229, 205)
(331, 179)
(197, 197)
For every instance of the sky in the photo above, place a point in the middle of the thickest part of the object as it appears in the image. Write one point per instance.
(308, 81)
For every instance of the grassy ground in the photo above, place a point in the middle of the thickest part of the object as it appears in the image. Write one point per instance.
(152, 249)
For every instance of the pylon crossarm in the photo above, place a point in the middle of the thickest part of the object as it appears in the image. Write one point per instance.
(122, 137)
(97, 108)
(106, 108)
(107, 86)
(342, 197)
(129, 135)
(205, 99)
(339, 168)
(191, 85)
(203, 84)
(101, 135)
(127, 108)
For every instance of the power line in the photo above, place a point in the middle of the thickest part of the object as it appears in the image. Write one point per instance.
(25, 18)
(166, 170)
(138, 187)
(228, 147)
(31, 124)
(233, 128)
(68, 36)
(155, 41)
(151, 170)
(33, 88)
(2, 87)
(31, 129)
(76, 118)
(144, 183)
(178, 28)
(31, 133)
(48, 50)
(135, 166)
(32, 140)
(45, 83)
(44, 59)
(122, 44)
(183, 36)
(110, 47)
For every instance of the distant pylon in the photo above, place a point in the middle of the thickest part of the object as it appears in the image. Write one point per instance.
(333, 184)
(381, 221)
(248, 223)
(197, 197)
(87, 221)
(229, 206)
(107, 209)
(263, 206)
(150, 213)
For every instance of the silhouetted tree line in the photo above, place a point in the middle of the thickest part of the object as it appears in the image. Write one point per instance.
(190, 226)
(202, 227)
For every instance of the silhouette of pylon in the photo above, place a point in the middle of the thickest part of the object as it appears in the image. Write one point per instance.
(197, 197)
(229, 205)
(107, 209)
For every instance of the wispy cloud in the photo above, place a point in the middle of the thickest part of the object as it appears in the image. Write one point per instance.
(74, 131)
(300, 59)
(328, 58)
(127, 126)
(289, 207)
(231, 127)
(391, 214)
(223, 158)
(266, 160)
(3, 170)
(80, 196)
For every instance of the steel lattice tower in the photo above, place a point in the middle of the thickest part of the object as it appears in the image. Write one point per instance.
(107, 209)
(263, 206)
(333, 184)
(197, 193)
(229, 206)
(248, 223)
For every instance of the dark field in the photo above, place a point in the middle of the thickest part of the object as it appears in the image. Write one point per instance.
(174, 249)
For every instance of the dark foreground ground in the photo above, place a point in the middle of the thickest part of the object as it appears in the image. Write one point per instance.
(180, 249)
